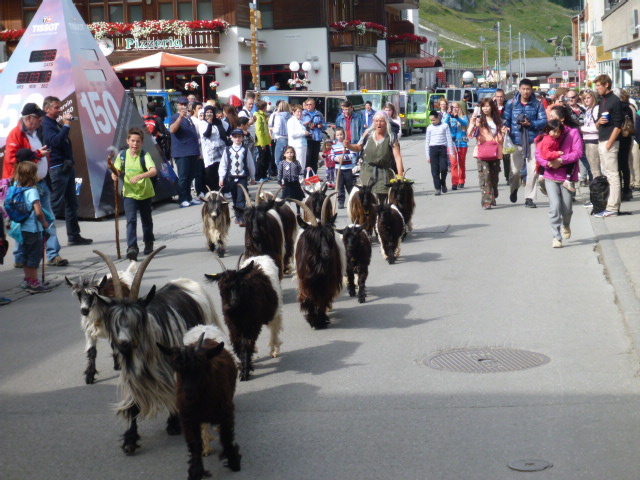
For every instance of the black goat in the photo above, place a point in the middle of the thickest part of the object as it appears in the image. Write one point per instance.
(134, 326)
(362, 206)
(263, 234)
(391, 230)
(315, 202)
(401, 195)
(206, 382)
(289, 224)
(320, 266)
(251, 297)
(216, 220)
(357, 244)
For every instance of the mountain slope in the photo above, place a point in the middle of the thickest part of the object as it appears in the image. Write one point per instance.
(468, 28)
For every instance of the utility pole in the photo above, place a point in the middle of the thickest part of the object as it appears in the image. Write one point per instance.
(519, 57)
(510, 58)
(499, 58)
(256, 22)
(524, 52)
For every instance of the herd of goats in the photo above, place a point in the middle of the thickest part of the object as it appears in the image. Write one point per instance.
(169, 345)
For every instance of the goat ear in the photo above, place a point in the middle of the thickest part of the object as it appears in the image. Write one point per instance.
(69, 282)
(304, 225)
(332, 220)
(340, 230)
(165, 350)
(324, 187)
(212, 277)
(105, 301)
(248, 268)
(103, 282)
(152, 293)
(215, 351)
(388, 185)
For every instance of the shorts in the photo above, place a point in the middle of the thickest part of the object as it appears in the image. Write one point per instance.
(32, 246)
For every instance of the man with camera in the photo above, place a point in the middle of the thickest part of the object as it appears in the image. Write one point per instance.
(64, 200)
(525, 118)
(313, 121)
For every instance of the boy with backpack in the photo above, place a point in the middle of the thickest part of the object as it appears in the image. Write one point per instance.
(28, 223)
(138, 169)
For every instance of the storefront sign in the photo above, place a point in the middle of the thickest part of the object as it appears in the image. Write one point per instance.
(153, 43)
(626, 64)
(394, 68)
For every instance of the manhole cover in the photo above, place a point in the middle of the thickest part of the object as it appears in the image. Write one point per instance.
(486, 360)
(530, 465)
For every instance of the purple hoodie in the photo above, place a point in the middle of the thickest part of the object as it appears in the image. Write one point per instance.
(573, 148)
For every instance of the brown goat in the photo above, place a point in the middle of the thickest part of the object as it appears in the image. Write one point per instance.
(362, 206)
(206, 382)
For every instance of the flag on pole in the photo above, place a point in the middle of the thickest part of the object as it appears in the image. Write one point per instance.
(441, 50)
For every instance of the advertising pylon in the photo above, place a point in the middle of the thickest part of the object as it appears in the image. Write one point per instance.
(58, 56)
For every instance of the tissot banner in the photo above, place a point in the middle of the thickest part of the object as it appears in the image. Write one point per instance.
(58, 56)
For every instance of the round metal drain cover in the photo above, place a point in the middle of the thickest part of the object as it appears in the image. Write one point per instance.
(486, 360)
(530, 465)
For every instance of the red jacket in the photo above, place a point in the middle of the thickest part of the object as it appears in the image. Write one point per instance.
(16, 140)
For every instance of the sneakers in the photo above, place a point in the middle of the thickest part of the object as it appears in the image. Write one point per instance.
(34, 286)
(566, 232)
(195, 201)
(556, 243)
(79, 240)
(461, 185)
(588, 205)
(454, 187)
(438, 192)
(58, 261)
(514, 196)
(529, 203)
(606, 213)
(185, 204)
(132, 254)
(340, 206)
(444, 189)
(25, 283)
(568, 185)
(148, 248)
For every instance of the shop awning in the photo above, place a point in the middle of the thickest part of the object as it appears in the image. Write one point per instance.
(370, 64)
(166, 61)
(424, 62)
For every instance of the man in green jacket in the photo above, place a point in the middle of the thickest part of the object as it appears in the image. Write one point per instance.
(263, 142)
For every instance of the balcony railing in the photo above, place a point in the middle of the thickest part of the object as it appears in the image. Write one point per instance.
(353, 42)
(403, 4)
(404, 49)
(202, 41)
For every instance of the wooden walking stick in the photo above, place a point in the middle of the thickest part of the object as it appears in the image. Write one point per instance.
(112, 152)
(335, 205)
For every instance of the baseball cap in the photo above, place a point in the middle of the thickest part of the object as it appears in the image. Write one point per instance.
(237, 131)
(25, 155)
(32, 109)
(182, 100)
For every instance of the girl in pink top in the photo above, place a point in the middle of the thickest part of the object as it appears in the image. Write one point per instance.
(549, 144)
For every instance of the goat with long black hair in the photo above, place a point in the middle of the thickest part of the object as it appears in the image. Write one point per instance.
(135, 326)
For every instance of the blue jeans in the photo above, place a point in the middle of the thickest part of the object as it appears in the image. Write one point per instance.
(131, 209)
(64, 200)
(281, 145)
(53, 245)
(187, 169)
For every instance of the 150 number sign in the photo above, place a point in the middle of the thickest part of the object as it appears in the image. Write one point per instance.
(102, 109)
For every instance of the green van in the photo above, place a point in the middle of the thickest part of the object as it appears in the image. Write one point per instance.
(419, 104)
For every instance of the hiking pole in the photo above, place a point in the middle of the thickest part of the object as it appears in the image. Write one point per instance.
(335, 205)
(113, 151)
(44, 252)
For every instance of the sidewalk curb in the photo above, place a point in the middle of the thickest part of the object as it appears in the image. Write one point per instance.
(620, 279)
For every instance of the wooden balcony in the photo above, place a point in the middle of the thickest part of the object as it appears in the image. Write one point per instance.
(201, 41)
(350, 41)
(404, 49)
(403, 4)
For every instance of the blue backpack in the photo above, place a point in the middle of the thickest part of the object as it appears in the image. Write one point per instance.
(123, 156)
(15, 204)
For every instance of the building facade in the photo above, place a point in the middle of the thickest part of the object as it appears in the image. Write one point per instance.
(363, 36)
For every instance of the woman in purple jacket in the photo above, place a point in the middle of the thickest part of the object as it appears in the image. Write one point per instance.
(555, 172)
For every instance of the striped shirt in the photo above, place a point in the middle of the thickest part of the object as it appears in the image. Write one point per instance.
(337, 149)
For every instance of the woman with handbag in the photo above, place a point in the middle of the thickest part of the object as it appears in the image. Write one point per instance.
(555, 173)
(488, 129)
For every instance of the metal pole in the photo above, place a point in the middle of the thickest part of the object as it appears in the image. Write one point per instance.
(499, 60)
(524, 52)
(510, 59)
(519, 57)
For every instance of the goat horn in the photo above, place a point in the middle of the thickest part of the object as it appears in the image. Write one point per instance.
(258, 199)
(93, 278)
(220, 262)
(405, 172)
(324, 206)
(208, 188)
(304, 206)
(246, 195)
(117, 286)
(200, 342)
(392, 174)
(239, 260)
(137, 280)
(219, 194)
(275, 195)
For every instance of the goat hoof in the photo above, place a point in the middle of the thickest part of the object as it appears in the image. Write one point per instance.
(352, 293)
(130, 448)
(89, 379)
(275, 352)
(361, 299)
(211, 246)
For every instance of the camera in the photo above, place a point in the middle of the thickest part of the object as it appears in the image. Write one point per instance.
(564, 99)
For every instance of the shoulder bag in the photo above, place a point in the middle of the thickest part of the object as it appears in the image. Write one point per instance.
(628, 129)
(488, 151)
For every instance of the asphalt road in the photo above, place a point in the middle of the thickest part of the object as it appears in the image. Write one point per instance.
(357, 401)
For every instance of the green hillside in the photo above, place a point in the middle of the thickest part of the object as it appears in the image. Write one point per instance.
(537, 20)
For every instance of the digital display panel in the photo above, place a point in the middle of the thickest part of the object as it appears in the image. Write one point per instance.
(43, 56)
(43, 76)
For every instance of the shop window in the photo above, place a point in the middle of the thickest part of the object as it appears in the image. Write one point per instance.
(166, 11)
(135, 13)
(185, 11)
(205, 10)
(97, 14)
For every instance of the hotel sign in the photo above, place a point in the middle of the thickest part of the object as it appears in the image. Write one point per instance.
(153, 43)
